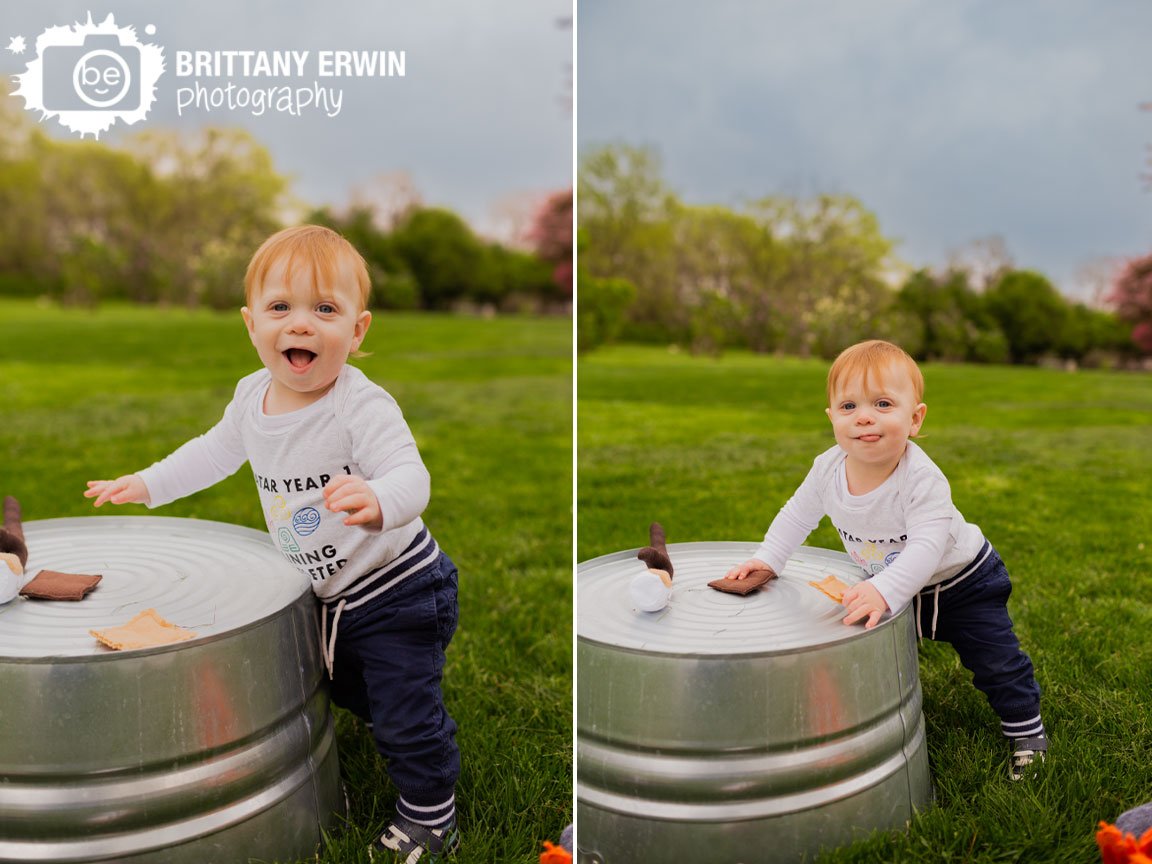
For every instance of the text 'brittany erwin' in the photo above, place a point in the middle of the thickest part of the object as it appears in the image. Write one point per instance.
(285, 64)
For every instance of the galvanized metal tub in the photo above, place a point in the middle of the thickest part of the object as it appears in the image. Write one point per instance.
(219, 749)
(731, 729)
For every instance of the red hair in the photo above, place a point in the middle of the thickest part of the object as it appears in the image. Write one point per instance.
(314, 246)
(874, 357)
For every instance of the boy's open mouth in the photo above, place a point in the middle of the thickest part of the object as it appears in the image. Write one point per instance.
(299, 357)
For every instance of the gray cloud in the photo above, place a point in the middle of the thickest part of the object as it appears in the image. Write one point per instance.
(952, 121)
(479, 118)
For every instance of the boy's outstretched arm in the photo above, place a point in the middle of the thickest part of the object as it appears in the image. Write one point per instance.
(129, 489)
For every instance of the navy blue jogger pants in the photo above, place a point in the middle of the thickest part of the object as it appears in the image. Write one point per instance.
(388, 663)
(971, 613)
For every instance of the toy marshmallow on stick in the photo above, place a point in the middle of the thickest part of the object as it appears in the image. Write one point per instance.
(48, 584)
(13, 551)
(651, 589)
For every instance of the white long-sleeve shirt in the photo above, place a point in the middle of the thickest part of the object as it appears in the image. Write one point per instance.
(905, 534)
(355, 428)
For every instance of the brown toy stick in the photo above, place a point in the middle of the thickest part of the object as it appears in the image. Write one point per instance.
(747, 585)
(655, 555)
(12, 534)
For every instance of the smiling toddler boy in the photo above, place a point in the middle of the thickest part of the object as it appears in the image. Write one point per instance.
(342, 487)
(893, 510)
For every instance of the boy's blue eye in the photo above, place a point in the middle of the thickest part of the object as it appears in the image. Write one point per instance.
(279, 307)
(326, 308)
(883, 403)
(848, 406)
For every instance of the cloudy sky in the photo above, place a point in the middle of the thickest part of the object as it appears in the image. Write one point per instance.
(953, 121)
(481, 120)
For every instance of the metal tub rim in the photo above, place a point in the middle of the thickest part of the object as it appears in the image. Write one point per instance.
(187, 645)
(858, 632)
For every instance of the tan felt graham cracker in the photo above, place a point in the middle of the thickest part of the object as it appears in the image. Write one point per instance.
(146, 630)
(831, 586)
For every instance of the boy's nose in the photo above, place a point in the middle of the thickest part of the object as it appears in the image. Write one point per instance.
(300, 322)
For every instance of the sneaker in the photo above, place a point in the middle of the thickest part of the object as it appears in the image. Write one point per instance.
(410, 843)
(1025, 753)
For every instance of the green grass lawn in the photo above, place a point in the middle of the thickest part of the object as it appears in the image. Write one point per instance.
(91, 395)
(1055, 469)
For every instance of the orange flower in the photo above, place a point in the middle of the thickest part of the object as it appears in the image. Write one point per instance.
(560, 855)
(1117, 847)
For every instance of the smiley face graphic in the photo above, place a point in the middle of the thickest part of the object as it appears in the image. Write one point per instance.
(101, 78)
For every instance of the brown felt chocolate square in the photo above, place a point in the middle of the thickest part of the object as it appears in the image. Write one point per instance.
(54, 585)
(747, 585)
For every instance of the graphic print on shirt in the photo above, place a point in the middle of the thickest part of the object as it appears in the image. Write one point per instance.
(305, 521)
(869, 558)
(287, 541)
(869, 553)
(279, 511)
(317, 562)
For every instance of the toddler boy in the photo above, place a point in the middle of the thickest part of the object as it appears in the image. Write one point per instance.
(342, 487)
(893, 510)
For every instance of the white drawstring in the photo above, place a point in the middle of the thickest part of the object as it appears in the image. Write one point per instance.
(944, 586)
(935, 609)
(328, 646)
(935, 614)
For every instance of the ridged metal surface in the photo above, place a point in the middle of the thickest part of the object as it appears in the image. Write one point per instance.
(726, 728)
(219, 749)
(207, 576)
(785, 614)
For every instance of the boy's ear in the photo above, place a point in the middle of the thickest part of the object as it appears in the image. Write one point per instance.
(363, 321)
(918, 415)
(247, 316)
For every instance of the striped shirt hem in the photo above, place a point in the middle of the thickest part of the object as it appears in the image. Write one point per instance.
(421, 552)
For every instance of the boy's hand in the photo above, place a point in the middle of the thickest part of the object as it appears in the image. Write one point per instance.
(129, 489)
(744, 578)
(352, 494)
(13, 562)
(741, 571)
(864, 601)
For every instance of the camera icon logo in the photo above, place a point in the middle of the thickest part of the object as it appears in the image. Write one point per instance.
(90, 76)
(102, 74)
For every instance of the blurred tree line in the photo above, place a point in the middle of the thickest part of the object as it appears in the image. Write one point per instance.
(428, 258)
(174, 218)
(804, 277)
